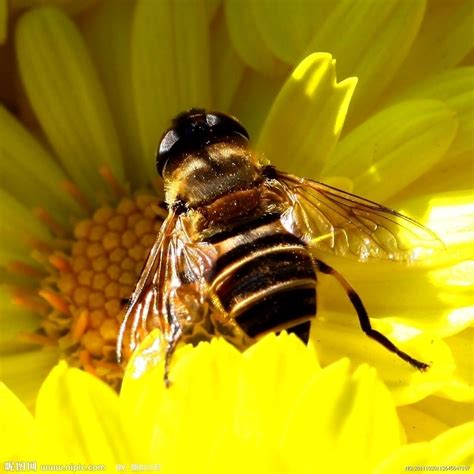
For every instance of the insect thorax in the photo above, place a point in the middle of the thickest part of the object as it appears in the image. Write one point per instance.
(200, 178)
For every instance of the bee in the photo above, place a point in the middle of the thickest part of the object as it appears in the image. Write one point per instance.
(236, 255)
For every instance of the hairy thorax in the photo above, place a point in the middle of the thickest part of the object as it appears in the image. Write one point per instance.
(232, 206)
(200, 179)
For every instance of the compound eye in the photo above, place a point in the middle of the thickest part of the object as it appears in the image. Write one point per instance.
(195, 129)
(226, 126)
(167, 143)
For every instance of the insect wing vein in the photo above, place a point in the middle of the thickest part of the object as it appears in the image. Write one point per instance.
(334, 221)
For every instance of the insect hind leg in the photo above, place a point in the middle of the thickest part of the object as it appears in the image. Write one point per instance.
(364, 317)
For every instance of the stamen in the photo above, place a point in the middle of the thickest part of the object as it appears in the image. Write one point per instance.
(39, 245)
(106, 365)
(86, 362)
(22, 268)
(30, 301)
(112, 181)
(35, 338)
(44, 216)
(80, 297)
(80, 326)
(60, 262)
(77, 195)
(55, 300)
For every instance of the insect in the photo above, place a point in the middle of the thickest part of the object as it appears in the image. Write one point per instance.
(235, 256)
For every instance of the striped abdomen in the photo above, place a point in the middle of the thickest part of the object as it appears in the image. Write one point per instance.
(264, 277)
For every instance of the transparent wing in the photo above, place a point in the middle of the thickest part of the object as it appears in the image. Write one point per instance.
(341, 223)
(173, 279)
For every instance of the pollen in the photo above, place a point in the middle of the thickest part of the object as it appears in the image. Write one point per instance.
(89, 283)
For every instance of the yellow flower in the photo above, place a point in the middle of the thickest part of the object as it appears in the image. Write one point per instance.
(96, 85)
(271, 409)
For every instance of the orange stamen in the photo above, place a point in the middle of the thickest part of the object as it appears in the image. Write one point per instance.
(44, 216)
(112, 181)
(30, 301)
(24, 269)
(60, 262)
(80, 326)
(77, 195)
(88, 271)
(39, 245)
(35, 338)
(55, 300)
(106, 365)
(86, 361)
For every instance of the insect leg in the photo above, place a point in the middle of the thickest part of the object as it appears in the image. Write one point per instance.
(364, 318)
(173, 332)
(172, 339)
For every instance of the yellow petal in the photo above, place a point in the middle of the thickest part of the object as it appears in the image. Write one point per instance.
(455, 88)
(212, 6)
(432, 416)
(228, 69)
(394, 147)
(168, 417)
(170, 67)
(340, 182)
(253, 99)
(3, 20)
(24, 372)
(420, 426)
(433, 295)
(448, 214)
(372, 415)
(448, 175)
(436, 299)
(309, 113)
(432, 302)
(247, 410)
(78, 419)
(381, 34)
(66, 96)
(272, 403)
(17, 436)
(18, 228)
(29, 172)
(444, 39)
(107, 33)
(247, 39)
(288, 27)
(347, 423)
(455, 446)
(338, 335)
(462, 348)
(71, 7)
(267, 364)
(14, 320)
(451, 451)
(468, 60)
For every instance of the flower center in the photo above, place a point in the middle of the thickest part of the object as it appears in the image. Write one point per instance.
(90, 285)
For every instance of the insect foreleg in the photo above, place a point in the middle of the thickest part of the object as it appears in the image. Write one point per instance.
(173, 334)
(364, 317)
(172, 340)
